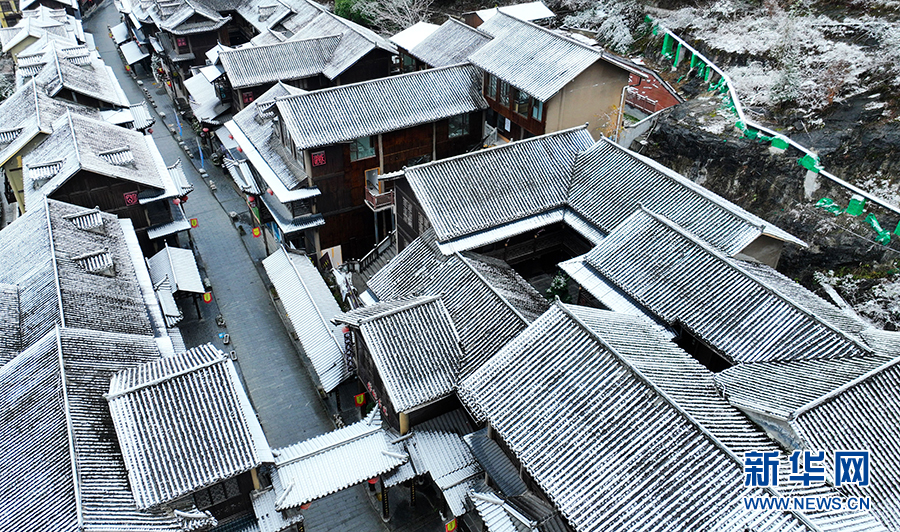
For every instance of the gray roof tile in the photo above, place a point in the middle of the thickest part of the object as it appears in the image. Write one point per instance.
(184, 423)
(348, 112)
(531, 58)
(720, 300)
(415, 368)
(285, 61)
(564, 372)
(450, 44)
(487, 300)
(52, 396)
(498, 185)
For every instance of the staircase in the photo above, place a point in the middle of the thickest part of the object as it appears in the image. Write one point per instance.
(364, 268)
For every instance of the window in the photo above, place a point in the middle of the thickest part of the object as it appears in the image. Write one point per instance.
(409, 63)
(459, 126)
(537, 110)
(362, 148)
(504, 94)
(522, 103)
(247, 97)
(181, 42)
(424, 224)
(406, 214)
(492, 87)
(6, 6)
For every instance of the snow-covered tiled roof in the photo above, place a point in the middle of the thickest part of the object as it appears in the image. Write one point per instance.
(38, 253)
(413, 35)
(488, 301)
(498, 185)
(451, 464)
(334, 461)
(10, 335)
(625, 179)
(291, 60)
(79, 143)
(450, 44)
(566, 177)
(179, 266)
(256, 136)
(28, 112)
(348, 112)
(57, 441)
(184, 423)
(414, 346)
(780, 388)
(531, 58)
(310, 306)
(95, 80)
(312, 20)
(560, 369)
(861, 415)
(725, 302)
(267, 518)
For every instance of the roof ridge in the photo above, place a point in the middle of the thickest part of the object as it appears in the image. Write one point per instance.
(491, 288)
(54, 264)
(718, 256)
(672, 402)
(217, 359)
(73, 456)
(234, 51)
(508, 145)
(410, 303)
(388, 79)
(819, 401)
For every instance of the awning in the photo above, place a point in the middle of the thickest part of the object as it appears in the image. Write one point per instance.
(132, 52)
(178, 224)
(205, 103)
(154, 42)
(212, 72)
(179, 267)
(120, 33)
(310, 306)
(350, 455)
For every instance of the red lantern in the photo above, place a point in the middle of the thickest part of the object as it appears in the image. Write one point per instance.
(183, 199)
(270, 191)
(169, 83)
(240, 149)
(231, 137)
(176, 201)
(305, 506)
(150, 130)
(373, 481)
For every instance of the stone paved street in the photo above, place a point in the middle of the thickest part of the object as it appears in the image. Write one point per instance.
(278, 384)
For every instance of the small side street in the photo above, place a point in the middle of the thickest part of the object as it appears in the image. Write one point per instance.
(279, 385)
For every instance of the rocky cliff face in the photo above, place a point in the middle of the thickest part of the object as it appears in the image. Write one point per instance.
(698, 140)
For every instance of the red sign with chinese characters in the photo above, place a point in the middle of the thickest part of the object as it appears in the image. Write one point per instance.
(318, 158)
(360, 399)
(450, 526)
(131, 198)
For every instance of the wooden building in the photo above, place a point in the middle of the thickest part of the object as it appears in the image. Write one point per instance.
(385, 125)
(92, 163)
(538, 81)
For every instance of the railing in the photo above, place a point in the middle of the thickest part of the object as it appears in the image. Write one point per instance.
(370, 257)
(379, 201)
(743, 122)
